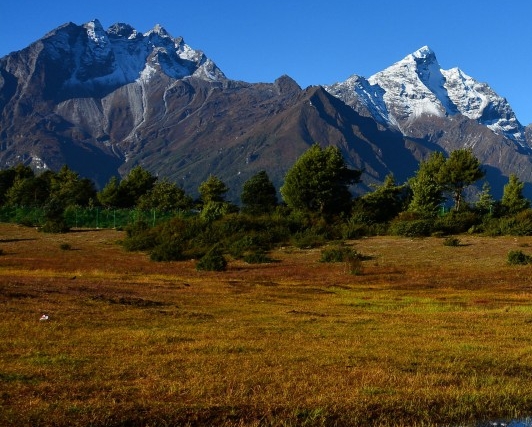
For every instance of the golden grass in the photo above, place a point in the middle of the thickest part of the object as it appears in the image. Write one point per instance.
(426, 335)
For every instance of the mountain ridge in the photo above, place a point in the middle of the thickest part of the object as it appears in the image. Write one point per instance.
(104, 101)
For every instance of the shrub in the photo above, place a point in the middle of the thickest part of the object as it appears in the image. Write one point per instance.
(65, 246)
(451, 241)
(354, 264)
(212, 261)
(338, 254)
(356, 230)
(518, 258)
(457, 222)
(414, 228)
(167, 251)
(308, 239)
(55, 226)
(241, 245)
(258, 257)
(140, 242)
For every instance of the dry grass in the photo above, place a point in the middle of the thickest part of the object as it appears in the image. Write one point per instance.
(426, 335)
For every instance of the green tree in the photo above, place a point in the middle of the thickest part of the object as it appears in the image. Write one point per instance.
(319, 181)
(137, 183)
(485, 202)
(31, 191)
(258, 194)
(54, 216)
(213, 190)
(460, 170)
(108, 196)
(426, 188)
(165, 196)
(8, 176)
(68, 187)
(381, 205)
(513, 200)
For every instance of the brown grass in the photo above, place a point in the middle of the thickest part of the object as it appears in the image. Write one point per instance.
(426, 335)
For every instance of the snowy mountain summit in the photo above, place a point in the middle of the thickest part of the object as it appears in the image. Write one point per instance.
(417, 87)
(87, 59)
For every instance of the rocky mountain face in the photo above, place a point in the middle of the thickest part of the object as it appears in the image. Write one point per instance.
(104, 101)
(446, 109)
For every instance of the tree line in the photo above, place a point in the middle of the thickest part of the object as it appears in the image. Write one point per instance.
(316, 189)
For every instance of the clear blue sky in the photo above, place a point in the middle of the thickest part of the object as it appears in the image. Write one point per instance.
(313, 41)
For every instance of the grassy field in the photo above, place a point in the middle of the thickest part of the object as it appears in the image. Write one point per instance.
(425, 334)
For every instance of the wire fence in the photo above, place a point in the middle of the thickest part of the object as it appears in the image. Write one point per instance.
(79, 217)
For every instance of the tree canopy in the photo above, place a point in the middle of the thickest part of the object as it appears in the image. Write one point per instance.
(258, 194)
(319, 181)
(513, 200)
(460, 170)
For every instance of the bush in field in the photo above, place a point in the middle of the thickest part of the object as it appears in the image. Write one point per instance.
(167, 251)
(337, 254)
(212, 261)
(54, 217)
(308, 239)
(139, 237)
(519, 224)
(451, 241)
(518, 258)
(354, 263)
(456, 222)
(257, 257)
(413, 228)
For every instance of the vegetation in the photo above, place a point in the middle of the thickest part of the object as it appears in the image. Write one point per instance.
(319, 181)
(242, 321)
(422, 335)
(258, 195)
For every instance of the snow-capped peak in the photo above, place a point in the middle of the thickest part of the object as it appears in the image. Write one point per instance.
(417, 86)
(424, 53)
(104, 60)
(96, 32)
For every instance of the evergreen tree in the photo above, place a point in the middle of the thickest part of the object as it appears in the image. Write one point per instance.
(108, 196)
(165, 196)
(258, 194)
(212, 193)
(460, 170)
(31, 191)
(513, 200)
(427, 190)
(67, 186)
(381, 205)
(485, 200)
(213, 190)
(137, 183)
(8, 176)
(319, 182)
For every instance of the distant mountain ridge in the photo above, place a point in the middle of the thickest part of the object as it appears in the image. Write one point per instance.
(104, 101)
(417, 86)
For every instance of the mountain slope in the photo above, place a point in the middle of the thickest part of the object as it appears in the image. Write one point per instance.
(104, 101)
(446, 108)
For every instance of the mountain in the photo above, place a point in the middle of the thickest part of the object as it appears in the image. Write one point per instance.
(104, 101)
(444, 108)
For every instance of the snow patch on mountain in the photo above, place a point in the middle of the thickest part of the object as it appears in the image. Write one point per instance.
(97, 58)
(417, 86)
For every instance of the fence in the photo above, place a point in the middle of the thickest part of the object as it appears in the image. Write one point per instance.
(78, 217)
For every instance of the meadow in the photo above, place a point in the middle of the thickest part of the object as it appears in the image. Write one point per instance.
(423, 335)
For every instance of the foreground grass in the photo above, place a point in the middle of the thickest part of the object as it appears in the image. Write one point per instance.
(426, 335)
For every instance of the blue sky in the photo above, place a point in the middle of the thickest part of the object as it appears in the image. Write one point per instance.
(315, 42)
